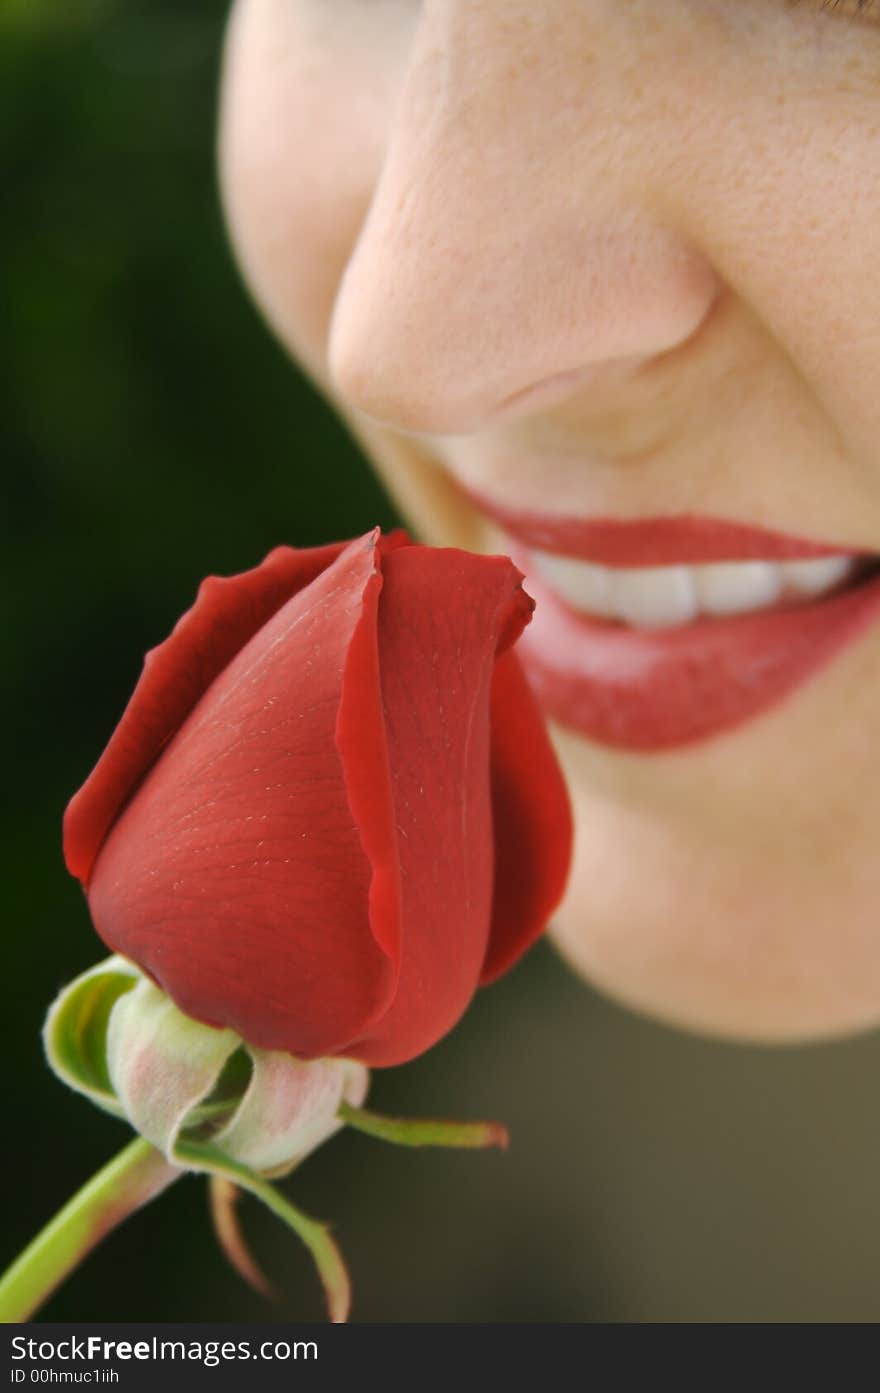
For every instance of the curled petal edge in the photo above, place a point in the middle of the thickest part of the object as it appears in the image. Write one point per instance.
(227, 613)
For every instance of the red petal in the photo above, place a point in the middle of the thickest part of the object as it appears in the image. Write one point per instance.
(228, 611)
(532, 820)
(236, 876)
(362, 744)
(441, 616)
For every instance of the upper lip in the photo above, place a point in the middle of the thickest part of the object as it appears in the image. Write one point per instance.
(680, 539)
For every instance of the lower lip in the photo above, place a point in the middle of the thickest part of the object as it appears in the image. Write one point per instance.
(656, 690)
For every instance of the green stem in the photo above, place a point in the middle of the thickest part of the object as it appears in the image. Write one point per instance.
(424, 1131)
(130, 1180)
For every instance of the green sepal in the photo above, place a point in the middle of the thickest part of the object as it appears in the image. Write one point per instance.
(330, 1264)
(202, 1097)
(75, 1033)
(425, 1131)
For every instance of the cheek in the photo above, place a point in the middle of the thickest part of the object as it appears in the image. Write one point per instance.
(788, 213)
(304, 118)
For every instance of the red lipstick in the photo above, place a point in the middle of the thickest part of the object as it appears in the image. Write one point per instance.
(651, 690)
(682, 540)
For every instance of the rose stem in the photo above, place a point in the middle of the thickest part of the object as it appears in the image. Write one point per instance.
(424, 1131)
(138, 1174)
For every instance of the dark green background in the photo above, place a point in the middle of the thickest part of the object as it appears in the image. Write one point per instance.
(152, 433)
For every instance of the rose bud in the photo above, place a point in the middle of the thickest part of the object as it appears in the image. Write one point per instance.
(329, 812)
(331, 809)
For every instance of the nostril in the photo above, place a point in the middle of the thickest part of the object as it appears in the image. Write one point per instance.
(429, 342)
(561, 385)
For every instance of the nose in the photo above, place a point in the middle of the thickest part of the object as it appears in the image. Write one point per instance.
(516, 245)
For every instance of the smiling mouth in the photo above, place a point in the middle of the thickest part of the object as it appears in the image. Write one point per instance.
(664, 597)
(656, 633)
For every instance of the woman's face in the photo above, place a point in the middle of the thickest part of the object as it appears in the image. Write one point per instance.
(593, 280)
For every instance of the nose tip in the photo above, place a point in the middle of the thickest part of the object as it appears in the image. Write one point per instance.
(431, 337)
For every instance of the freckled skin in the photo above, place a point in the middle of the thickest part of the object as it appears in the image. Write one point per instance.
(614, 259)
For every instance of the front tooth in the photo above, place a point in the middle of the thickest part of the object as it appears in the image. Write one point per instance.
(730, 587)
(584, 586)
(812, 577)
(653, 597)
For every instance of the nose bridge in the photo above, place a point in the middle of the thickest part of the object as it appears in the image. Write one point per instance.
(487, 90)
(510, 237)
(474, 64)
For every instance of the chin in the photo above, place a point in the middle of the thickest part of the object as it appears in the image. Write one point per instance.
(735, 973)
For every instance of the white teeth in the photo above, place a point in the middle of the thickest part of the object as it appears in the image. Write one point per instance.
(730, 587)
(812, 577)
(654, 597)
(584, 586)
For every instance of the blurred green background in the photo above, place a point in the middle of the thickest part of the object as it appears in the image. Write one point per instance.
(152, 432)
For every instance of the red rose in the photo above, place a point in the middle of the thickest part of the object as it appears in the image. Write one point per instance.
(330, 810)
